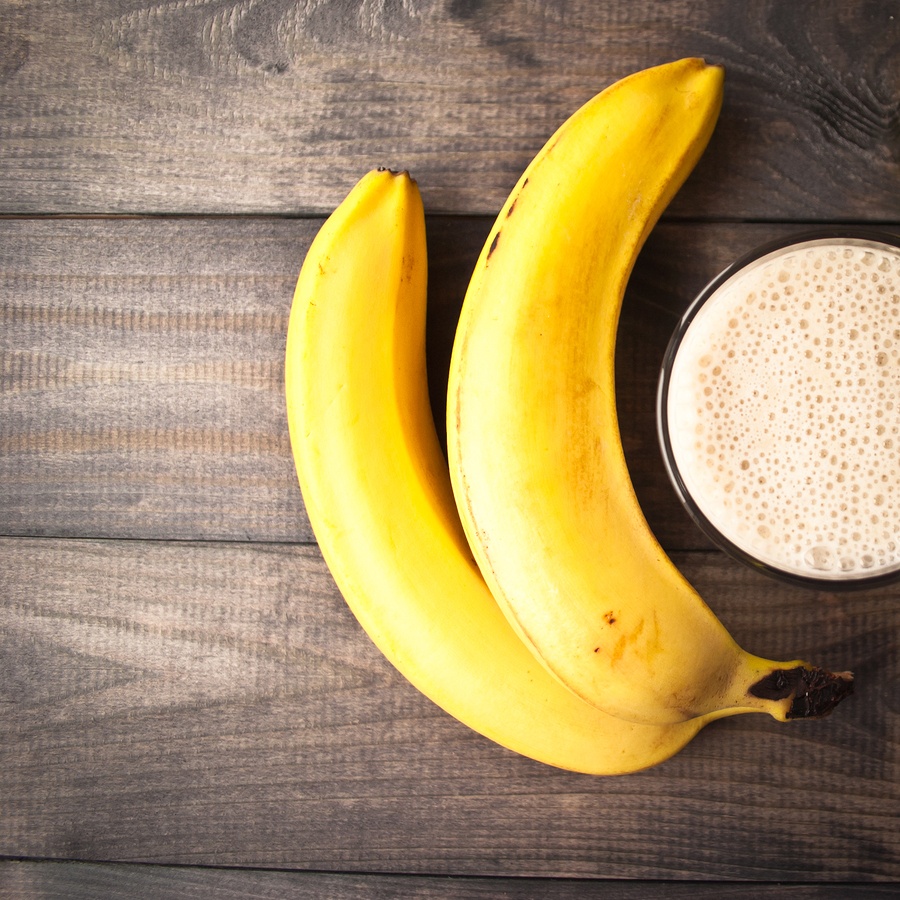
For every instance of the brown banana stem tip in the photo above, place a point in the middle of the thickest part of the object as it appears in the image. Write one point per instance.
(813, 692)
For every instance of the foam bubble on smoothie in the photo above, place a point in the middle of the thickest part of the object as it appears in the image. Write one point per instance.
(784, 409)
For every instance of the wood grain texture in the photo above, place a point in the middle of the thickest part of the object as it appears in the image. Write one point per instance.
(88, 881)
(218, 106)
(217, 704)
(182, 689)
(141, 369)
(142, 377)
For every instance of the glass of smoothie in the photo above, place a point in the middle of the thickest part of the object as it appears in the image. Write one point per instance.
(779, 409)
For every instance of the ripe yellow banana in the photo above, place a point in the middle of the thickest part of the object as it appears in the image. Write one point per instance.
(378, 494)
(536, 459)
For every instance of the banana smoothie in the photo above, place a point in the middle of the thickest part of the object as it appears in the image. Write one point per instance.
(780, 411)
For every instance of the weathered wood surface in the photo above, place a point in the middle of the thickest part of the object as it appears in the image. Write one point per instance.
(141, 367)
(225, 106)
(88, 881)
(180, 681)
(216, 703)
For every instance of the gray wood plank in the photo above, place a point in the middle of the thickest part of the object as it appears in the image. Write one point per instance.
(220, 106)
(142, 376)
(141, 369)
(217, 704)
(90, 881)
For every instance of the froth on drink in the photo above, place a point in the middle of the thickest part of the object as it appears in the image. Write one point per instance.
(779, 409)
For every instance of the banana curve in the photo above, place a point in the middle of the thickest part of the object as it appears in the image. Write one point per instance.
(536, 459)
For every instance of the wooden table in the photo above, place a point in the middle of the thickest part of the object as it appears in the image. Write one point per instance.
(187, 707)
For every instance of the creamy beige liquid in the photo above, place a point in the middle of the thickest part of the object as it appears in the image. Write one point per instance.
(784, 409)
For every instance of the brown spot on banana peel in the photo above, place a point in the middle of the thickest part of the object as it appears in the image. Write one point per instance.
(813, 692)
(515, 199)
(407, 267)
(625, 641)
(493, 246)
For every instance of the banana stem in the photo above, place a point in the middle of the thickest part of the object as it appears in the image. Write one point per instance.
(813, 693)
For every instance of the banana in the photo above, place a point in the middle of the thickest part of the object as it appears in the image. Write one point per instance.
(536, 459)
(377, 491)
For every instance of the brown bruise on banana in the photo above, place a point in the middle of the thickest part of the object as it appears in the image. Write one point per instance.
(493, 246)
(407, 268)
(626, 641)
(509, 212)
(610, 619)
(515, 199)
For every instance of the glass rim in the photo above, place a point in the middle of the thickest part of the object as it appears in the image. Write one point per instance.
(861, 234)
